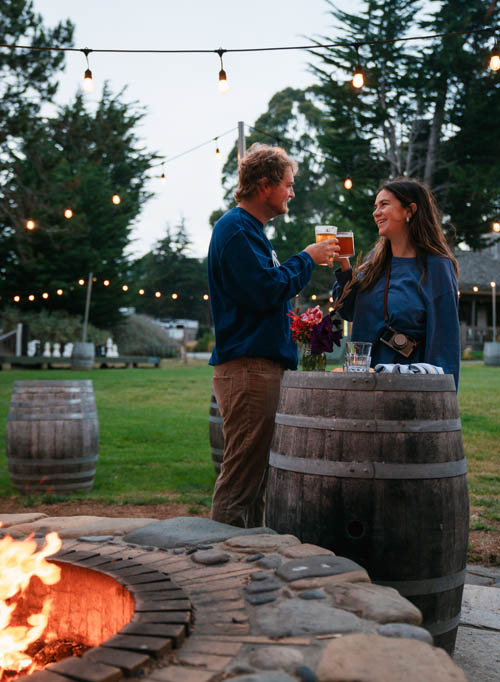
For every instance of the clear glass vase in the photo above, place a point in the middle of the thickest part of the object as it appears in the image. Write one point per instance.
(313, 362)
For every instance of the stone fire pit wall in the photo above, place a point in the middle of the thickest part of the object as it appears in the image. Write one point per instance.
(213, 602)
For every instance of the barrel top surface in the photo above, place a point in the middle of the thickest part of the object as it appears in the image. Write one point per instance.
(370, 381)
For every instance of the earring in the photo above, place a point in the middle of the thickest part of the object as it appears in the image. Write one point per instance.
(407, 218)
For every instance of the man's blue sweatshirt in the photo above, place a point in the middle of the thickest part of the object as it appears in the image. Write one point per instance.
(250, 291)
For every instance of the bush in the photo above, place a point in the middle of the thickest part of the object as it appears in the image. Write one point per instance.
(141, 335)
(204, 343)
(57, 326)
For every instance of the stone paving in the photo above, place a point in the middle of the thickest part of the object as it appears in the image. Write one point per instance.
(255, 606)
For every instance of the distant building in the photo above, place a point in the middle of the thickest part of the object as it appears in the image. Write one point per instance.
(177, 328)
(478, 271)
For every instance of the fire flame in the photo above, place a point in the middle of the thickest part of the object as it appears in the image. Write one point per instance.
(19, 562)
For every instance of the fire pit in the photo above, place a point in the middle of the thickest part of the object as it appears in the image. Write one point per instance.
(106, 598)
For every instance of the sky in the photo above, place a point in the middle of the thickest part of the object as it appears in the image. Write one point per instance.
(179, 91)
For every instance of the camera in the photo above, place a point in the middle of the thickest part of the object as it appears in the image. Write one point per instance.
(398, 341)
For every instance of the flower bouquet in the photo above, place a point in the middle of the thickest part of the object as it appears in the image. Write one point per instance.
(318, 333)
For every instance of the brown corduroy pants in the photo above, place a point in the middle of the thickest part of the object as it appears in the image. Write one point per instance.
(247, 392)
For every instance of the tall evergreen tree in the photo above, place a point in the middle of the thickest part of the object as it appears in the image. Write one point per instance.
(76, 160)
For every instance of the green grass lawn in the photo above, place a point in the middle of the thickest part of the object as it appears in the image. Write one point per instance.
(154, 442)
(153, 432)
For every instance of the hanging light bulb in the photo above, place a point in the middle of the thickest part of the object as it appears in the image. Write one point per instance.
(30, 224)
(175, 296)
(348, 182)
(116, 199)
(496, 225)
(68, 213)
(88, 83)
(158, 294)
(125, 287)
(495, 58)
(106, 282)
(81, 282)
(218, 155)
(162, 177)
(141, 292)
(358, 79)
(31, 297)
(206, 297)
(223, 86)
(59, 292)
(17, 299)
(45, 295)
(475, 289)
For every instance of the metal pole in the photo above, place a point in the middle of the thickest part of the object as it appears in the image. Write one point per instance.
(19, 336)
(494, 307)
(241, 140)
(87, 307)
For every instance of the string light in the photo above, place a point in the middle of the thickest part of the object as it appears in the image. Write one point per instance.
(68, 213)
(223, 86)
(45, 295)
(17, 299)
(495, 58)
(31, 297)
(313, 297)
(59, 292)
(348, 182)
(496, 225)
(493, 284)
(81, 282)
(475, 289)
(218, 155)
(158, 294)
(125, 287)
(30, 224)
(88, 83)
(116, 199)
(175, 296)
(163, 178)
(206, 297)
(106, 282)
(141, 292)
(358, 79)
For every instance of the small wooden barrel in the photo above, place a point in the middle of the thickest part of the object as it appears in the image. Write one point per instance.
(52, 436)
(82, 356)
(372, 467)
(491, 353)
(216, 435)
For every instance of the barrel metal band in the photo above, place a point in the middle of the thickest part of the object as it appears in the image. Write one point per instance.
(47, 390)
(43, 403)
(45, 479)
(443, 626)
(374, 470)
(414, 588)
(50, 417)
(217, 451)
(14, 461)
(369, 425)
(215, 420)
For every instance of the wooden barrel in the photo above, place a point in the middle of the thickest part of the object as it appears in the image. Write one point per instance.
(52, 436)
(82, 356)
(491, 353)
(216, 435)
(372, 467)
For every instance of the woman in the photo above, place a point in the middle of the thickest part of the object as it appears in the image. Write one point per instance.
(404, 297)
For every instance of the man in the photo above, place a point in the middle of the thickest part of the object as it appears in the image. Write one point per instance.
(249, 294)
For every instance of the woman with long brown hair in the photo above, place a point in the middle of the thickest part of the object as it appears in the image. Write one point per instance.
(404, 297)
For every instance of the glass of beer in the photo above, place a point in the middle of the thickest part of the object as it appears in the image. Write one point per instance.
(325, 232)
(346, 243)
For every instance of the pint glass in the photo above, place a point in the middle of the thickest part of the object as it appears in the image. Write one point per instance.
(346, 243)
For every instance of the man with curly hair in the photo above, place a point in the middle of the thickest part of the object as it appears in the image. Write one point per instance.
(249, 294)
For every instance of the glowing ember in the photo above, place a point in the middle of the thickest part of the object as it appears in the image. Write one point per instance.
(19, 562)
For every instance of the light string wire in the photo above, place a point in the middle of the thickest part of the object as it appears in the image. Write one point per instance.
(220, 50)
